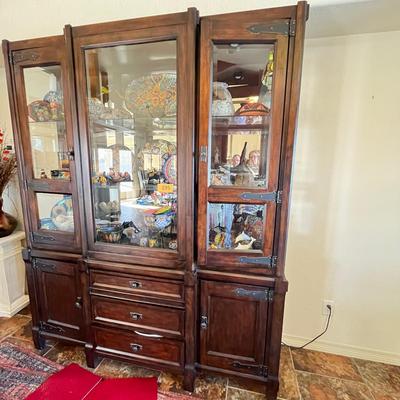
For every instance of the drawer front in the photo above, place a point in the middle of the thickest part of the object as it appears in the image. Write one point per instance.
(136, 315)
(155, 349)
(138, 285)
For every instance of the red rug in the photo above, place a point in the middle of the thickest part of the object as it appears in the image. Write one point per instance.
(25, 375)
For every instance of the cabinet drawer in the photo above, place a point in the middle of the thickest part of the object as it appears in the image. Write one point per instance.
(137, 285)
(136, 315)
(156, 349)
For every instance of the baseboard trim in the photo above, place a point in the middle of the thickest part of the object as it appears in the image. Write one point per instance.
(16, 306)
(344, 350)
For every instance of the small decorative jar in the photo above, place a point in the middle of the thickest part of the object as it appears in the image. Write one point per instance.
(222, 104)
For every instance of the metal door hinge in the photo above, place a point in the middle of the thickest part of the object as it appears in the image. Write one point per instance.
(266, 295)
(203, 153)
(20, 56)
(282, 27)
(204, 322)
(269, 196)
(41, 265)
(261, 370)
(71, 154)
(292, 27)
(44, 326)
(269, 262)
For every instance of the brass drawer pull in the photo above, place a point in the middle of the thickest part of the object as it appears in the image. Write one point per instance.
(135, 284)
(136, 316)
(136, 347)
(149, 335)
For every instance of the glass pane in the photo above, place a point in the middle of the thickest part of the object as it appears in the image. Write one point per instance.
(132, 119)
(55, 212)
(241, 104)
(235, 226)
(44, 97)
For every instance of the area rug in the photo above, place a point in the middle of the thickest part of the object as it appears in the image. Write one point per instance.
(22, 372)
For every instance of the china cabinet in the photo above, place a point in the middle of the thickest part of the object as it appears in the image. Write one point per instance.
(118, 257)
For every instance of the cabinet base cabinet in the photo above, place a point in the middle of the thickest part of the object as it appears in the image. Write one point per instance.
(235, 331)
(57, 301)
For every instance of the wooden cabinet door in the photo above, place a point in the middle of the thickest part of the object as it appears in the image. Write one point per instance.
(233, 322)
(135, 82)
(60, 298)
(42, 97)
(243, 75)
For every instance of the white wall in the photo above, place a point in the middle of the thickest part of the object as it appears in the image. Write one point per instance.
(345, 219)
(344, 236)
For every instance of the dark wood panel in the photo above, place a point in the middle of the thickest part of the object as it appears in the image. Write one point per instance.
(157, 349)
(234, 335)
(60, 298)
(164, 320)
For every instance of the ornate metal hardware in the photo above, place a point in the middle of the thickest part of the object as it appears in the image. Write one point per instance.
(203, 153)
(42, 238)
(34, 185)
(43, 265)
(21, 56)
(149, 335)
(71, 154)
(269, 262)
(136, 316)
(136, 347)
(135, 284)
(262, 370)
(270, 196)
(266, 294)
(283, 27)
(204, 322)
(78, 303)
(44, 326)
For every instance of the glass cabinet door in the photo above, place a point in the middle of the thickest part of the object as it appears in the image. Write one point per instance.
(139, 137)
(242, 87)
(46, 146)
(131, 92)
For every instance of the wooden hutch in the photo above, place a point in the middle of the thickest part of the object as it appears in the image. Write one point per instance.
(155, 159)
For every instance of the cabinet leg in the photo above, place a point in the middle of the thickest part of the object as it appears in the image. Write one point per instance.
(91, 359)
(272, 390)
(189, 379)
(38, 340)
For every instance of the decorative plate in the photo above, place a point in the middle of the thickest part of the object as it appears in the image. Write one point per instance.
(96, 107)
(152, 95)
(39, 111)
(160, 147)
(169, 169)
(62, 215)
(53, 97)
(253, 109)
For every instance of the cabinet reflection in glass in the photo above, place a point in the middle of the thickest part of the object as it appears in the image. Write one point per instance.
(235, 226)
(241, 107)
(131, 99)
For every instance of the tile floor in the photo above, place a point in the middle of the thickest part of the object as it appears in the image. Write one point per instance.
(305, 374)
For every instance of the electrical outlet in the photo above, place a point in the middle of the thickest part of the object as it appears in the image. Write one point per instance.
(325, 309)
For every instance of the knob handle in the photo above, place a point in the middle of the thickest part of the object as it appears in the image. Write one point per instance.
(136, 347)
(135, 284)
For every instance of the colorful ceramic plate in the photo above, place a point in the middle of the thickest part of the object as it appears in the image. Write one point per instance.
(161, 148)
(169, 169)
(53, 97)
(39, 111)
(152, 95)
(62, 215)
